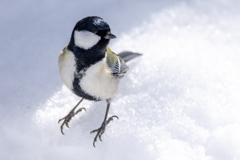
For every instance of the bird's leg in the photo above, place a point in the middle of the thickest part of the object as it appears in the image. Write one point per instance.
(69, 116)
(101, 130)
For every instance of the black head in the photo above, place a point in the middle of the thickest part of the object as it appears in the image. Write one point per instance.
(90, 31)
(93, 24)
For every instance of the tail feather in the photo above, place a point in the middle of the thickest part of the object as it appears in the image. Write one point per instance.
(127, 56)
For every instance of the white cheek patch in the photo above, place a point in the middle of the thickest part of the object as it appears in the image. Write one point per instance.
(85, 39)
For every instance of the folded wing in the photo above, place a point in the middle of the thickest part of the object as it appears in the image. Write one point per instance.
(116, 64)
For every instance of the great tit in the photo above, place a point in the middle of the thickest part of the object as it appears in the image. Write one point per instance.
(90, 69)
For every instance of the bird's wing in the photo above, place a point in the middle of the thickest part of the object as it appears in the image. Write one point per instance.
(116, 64)
(127, 55)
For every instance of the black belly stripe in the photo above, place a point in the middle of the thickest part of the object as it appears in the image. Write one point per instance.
(81, 69)
(79, 91)
(84, 59)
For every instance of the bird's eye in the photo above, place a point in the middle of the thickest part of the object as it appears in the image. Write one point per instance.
(94, 30)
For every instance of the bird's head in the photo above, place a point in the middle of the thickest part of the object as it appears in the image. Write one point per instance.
(89, 31)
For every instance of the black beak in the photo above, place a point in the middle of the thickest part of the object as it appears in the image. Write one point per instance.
(110, 36)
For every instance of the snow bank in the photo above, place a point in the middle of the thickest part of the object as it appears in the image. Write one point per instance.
(180, 100)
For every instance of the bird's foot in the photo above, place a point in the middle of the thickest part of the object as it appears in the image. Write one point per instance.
(68, 117)
(101, 130)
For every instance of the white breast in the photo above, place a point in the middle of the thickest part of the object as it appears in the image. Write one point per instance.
(99, 82)
(66, 64)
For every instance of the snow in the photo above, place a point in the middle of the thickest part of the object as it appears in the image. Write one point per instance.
(180, 100)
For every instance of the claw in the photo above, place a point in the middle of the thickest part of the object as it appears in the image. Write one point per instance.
(111, 119)
(79, 110)
(114, 116)
(94, 143)
(68, 117)
(62, 128)
(95, 130)
(95, 140)
(60, 120)
(101, 130)
(100, 137)
(67, 125)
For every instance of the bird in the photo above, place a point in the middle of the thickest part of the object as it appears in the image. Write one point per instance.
(90, 69)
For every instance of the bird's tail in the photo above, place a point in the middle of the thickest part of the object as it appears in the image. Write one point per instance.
(127, 56)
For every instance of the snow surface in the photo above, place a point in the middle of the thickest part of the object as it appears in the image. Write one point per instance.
(180, 100)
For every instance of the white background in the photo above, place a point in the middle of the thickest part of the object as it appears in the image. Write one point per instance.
(180, 100)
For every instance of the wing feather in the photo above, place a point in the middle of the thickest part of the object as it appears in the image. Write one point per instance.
(116, 64)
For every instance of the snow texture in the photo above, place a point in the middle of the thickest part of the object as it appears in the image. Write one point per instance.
(180, 100)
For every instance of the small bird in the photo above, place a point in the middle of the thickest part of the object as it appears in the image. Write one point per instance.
(90, 69)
